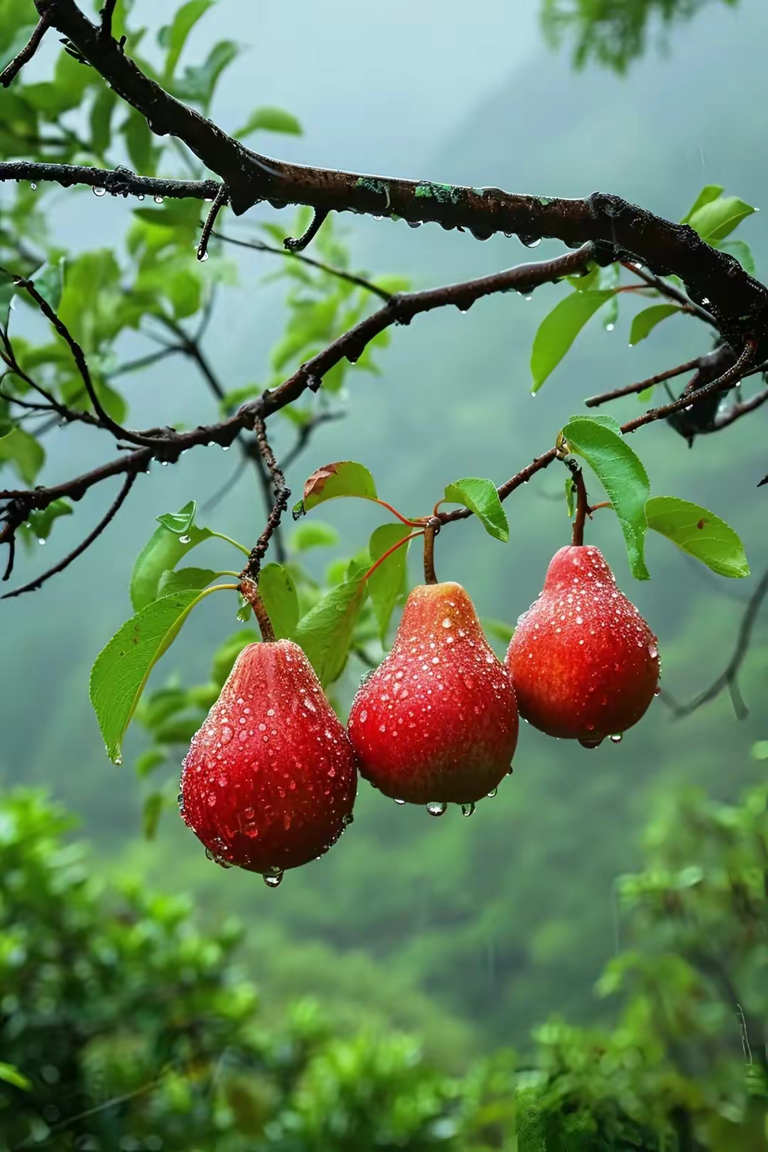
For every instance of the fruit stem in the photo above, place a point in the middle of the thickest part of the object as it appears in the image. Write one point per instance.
(389, 552)
(582, 505)
(251, 593)
(431, 530)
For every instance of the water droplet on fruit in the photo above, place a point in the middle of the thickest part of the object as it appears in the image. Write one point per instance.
(591, 743)
(436, 808)
(653, 652)
(467, 809)
(274, 879)
(492, 793)
(617, 738)
(657, 692)
(399, 801)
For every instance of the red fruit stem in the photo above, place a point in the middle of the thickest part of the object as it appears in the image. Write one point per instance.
(582, 505)
(389, 552)
(251, 593)
(394, 511)
(430, 531)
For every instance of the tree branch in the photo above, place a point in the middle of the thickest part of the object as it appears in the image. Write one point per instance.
(11, 71)
(738, 304)
(282, 494)
(629, 389)
(729, 677)
(73, 555)
(290, 254)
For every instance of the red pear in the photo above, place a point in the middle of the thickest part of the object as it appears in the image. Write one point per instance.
(583, 661)
(269, 780)
(437, 721)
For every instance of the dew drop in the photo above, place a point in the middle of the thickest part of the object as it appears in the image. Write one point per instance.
(117, 760)
(467, 809)
(33, 186)
(98, 191)
(617, 738)
(492, 793)
(158, 199)
(399, 801)
(184, 539)
(274, 879)
(653, 652)
(436, 808)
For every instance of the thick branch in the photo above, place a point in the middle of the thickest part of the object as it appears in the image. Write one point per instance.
(738, 303)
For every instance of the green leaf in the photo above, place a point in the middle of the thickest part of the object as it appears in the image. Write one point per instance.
(198, 83)
(645, 322)
(716, 220)
(163, 551)
(49, 281)
(9, 1074)
(149, 760)
(482, 498)
(270, 120)
(498, 628)
(570, 491)
(700, 533)
(387, 583)
(185, 580)
(42, 522)
(139, 141)
(281, 600)
(709, 193)
(344, 478)
(122, 668)
(622, 475)
(742, 252)
(179, 522)
(325, 633)
(560, 328)
(101, 120)
(23, 453)
(150, 814)
(313, 534)
(174, 36)
(590, 279)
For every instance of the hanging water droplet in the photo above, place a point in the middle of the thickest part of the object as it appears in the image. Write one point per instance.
(158, 199)
(117, 759)
(591, 743)
(347, 820)
(617, 738)
(41, 540)
(274, 879)
(202, 256)
(140, 196)
(436, 808)
(610, 327)
(492, 793)
(99, 191)
(399, 801)
(657, 692)
(467, 809)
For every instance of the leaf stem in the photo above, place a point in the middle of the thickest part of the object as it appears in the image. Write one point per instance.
(229, 540)
(250, 590)
(389, 551)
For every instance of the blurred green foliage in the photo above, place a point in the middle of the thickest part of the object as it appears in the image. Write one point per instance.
(612, 32)
(121, 1025)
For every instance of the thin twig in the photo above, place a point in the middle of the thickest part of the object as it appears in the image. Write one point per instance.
(282, 495)
(641, 385)
(729, 678)
(97, 531)
(11, 71)
(221, 199)
(261, 246)
(666, 289)
(431, 529)
(106, 13)
(298, 244)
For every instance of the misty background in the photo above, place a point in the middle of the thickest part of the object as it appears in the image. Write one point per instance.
(467, 930)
